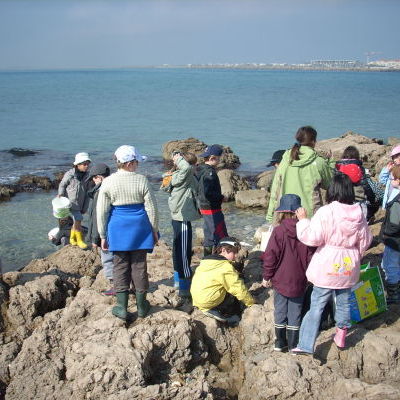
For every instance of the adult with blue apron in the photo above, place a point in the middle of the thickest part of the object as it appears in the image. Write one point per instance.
(127, 219)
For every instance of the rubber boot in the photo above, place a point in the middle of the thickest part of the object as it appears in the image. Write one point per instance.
(207, 251)
(79, 240)
(281, 343)
(176, 280)
(340, 337)
(184, 287)
(143, 305)
(292, 338)
(72, 238)
(392, 293)
(121, 309)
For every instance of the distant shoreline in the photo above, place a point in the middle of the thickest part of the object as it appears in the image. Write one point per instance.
(253, 67)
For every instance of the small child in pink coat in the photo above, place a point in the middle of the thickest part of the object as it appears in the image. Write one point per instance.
(341, 232)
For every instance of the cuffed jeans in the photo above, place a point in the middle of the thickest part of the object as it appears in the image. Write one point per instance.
(130, 266)
(287, 311)
(391, 265)
(310, 326)
(107, 261)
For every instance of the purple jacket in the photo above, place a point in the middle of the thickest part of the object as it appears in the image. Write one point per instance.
(285, 260)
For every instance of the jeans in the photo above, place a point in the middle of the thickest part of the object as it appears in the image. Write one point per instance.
(287, 311)
(107, 260)
(310, 326)
(391, 265)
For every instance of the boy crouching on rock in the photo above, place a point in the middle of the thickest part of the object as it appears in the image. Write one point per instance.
(216, 283)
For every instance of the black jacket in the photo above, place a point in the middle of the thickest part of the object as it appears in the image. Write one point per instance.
(93, 234)
(390, 230)
(209, 192)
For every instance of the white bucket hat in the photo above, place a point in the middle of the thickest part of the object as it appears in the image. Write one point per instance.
(128, 153)
(81, 157)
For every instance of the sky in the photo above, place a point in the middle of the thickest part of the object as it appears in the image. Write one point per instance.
(117, 33)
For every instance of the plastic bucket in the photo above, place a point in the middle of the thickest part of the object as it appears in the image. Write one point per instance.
(61, 206)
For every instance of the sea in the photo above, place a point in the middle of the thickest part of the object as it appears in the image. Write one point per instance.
(59, 113)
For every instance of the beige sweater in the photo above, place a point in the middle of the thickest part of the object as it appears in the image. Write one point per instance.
(123, 188)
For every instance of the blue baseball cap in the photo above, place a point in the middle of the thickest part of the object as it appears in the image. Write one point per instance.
(289, 203)
(213, 150)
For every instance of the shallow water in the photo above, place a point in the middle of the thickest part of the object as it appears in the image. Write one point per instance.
(27, 218)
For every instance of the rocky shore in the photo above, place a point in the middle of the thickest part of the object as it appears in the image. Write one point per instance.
(59, 340)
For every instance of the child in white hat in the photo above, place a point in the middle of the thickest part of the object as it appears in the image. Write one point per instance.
(74, 185)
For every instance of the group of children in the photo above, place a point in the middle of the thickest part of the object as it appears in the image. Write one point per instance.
(324, 250)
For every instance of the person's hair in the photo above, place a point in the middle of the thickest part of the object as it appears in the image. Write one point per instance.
(280, 216)
(396, 171)
(123, 164)
(341, 189)
(351, 153)
(229, 248)
(305, 136)
(190, 158)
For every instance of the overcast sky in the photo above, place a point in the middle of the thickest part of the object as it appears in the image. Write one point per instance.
(116, 33)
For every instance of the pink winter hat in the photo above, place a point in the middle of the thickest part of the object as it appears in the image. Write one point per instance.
(395, 151)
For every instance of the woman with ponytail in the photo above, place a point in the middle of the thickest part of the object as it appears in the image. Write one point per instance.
(303, 172)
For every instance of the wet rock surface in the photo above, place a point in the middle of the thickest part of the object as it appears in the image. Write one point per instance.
(59, 340)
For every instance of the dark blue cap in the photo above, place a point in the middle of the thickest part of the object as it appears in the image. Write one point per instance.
(276, 158)
(213, 150)
(289, 203)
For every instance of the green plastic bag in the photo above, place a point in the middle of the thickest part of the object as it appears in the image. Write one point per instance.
(367, 297)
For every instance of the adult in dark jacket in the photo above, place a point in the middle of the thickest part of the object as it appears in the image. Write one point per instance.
(285, 262)
(97, 173)
(210, 199)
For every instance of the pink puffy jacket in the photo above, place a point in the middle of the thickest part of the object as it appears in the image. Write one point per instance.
(342, 235)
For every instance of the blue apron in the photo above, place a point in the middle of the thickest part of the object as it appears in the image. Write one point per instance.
(129, 229)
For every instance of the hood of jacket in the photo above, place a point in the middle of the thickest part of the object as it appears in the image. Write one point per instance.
(289, 227)
(348, 218)
(212, 262)
(93, 190)
(307, 156)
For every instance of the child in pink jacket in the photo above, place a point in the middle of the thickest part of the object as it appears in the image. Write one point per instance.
(341, 233)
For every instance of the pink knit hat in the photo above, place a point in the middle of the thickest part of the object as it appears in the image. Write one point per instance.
(395, 151)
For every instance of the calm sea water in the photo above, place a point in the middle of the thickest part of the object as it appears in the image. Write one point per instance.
(59, 113)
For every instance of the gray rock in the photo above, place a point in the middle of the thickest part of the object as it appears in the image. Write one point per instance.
(231, 183)
(252, 198)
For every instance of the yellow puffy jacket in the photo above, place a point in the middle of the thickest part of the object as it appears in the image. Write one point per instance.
(214, 277)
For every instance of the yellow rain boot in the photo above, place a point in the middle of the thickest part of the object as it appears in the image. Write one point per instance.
(79, 240)
(72, 238)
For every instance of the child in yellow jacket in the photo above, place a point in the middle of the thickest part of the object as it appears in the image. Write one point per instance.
(216, 282)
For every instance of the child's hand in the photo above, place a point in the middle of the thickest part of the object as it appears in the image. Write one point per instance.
(104, 244)
(94, 246)
(301, 213)
(266, 283)
(390, 165)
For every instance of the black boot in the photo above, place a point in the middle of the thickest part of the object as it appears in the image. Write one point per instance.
(281, 343)
(392, 293)
(292, 338)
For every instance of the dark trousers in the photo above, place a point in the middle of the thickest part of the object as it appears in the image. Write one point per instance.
(130, 267)
(229, 306)
(182, 248)
(287, 311)
(214, 228)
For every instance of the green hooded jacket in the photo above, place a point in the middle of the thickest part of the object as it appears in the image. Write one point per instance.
(304, 177)
(182, 199)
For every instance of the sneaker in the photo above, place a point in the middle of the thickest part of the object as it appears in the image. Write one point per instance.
(216, 315)
(109, 292)
(299, 351)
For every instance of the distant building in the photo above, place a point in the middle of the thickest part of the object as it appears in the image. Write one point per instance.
(395, 64)
(336, 64)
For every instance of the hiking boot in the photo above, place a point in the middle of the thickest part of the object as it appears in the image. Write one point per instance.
(121, 309)
(143, 305)
(281, 341)
(216, 315)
